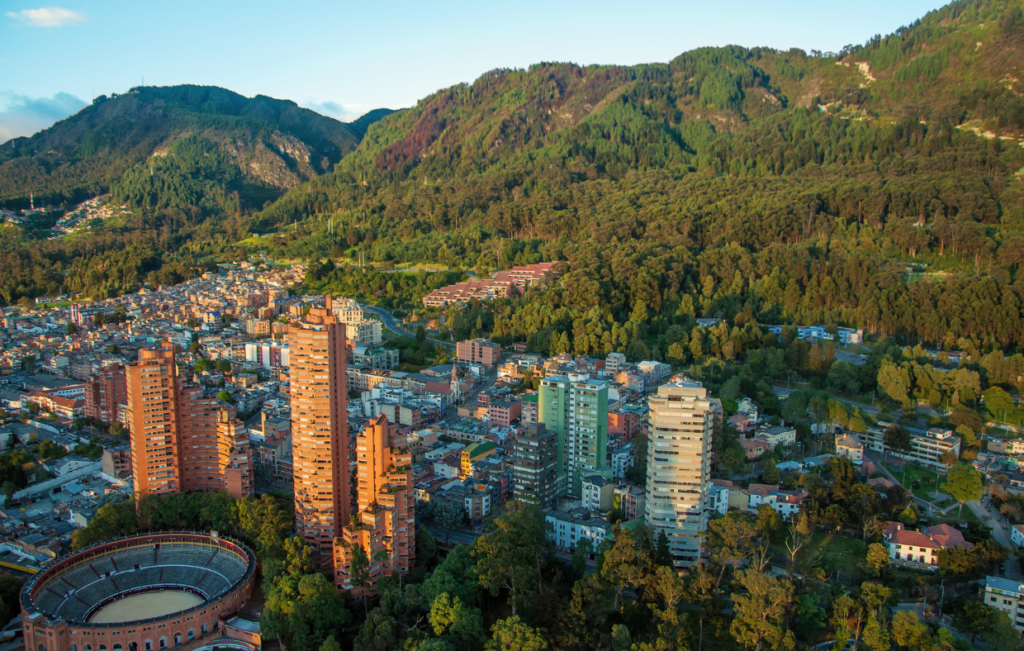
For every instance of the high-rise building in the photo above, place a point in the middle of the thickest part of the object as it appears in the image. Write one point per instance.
(678, 470)
(152, 399)
(535, 466)
(320, 449)
(181, 439)
(105, 392)
(384, 525)
(575, 408)
(367, 332)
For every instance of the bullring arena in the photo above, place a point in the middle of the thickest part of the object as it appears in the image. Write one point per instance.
(144, 593)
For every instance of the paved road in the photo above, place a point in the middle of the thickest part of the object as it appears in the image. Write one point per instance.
(867, 409)
(391, 324)
(992, 518)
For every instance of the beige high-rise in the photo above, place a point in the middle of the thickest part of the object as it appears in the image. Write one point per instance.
(320, 449)
(678, 471)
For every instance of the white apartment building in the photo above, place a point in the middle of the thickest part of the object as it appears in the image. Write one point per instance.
(568, 529)
(597, 493)
(622, 460)
(678, 471)
(1005, 595)
(925, 447)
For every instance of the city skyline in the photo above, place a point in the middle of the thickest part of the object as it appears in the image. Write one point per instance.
(59, 58)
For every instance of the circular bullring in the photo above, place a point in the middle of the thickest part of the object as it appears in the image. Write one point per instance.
(142, 593)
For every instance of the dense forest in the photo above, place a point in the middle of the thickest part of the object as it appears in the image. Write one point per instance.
(876, 187)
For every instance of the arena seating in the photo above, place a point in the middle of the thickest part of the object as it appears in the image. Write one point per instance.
(75, 592)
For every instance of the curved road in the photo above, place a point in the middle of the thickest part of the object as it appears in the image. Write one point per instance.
(391, 324)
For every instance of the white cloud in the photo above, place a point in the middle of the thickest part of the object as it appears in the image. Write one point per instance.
(335, 110)
(24, 116)
(47, 17)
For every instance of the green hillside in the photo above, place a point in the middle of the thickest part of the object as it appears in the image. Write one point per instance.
(274, 142)
(748, 184)
(876, 187)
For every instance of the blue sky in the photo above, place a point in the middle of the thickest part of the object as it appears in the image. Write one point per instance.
(344, 59)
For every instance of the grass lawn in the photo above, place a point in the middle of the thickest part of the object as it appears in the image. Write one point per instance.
(926, 480)
(838, 552)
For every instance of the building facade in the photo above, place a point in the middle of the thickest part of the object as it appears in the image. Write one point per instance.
(576, 409)
(181, 439)
(384, 525)
(678, 471)
(105, 392)
(926, 448)
(535, 466)
(478, 351)
(320, 443)
(1005, 595)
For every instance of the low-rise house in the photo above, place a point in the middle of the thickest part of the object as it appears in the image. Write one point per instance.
(849, 446)
(921, 548)
(776, 436)
(753, 448)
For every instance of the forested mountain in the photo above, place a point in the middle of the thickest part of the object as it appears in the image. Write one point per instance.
(749, 184)
(191, 162)
(273, 142)
(878, 187)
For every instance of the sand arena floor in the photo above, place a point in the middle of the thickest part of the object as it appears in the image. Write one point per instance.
(145, 605)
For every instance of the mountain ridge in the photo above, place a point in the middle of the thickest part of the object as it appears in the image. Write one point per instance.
(275, 141)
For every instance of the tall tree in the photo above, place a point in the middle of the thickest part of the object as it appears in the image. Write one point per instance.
(964, 484)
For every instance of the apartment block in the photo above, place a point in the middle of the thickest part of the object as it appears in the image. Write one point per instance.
(320, 442)
(117, 461)
(181, 439)
(384, 524)
(534, 466)
(926, 448)
(576, 409)
(105, 392)
(478, 351)
(678, 471)
(1005, 595)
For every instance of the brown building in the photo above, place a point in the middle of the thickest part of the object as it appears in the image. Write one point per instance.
(117, 461)
(501, 413)
(385, 523)
(104, 393)
(182, 440)
(478, 351)
(320, 450)
(624, 423)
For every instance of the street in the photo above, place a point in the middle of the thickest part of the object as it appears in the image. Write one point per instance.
(391, 324)
(867, 409)
(991, 518)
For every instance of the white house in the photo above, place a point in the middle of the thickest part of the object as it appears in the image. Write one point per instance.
(1017, 535)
